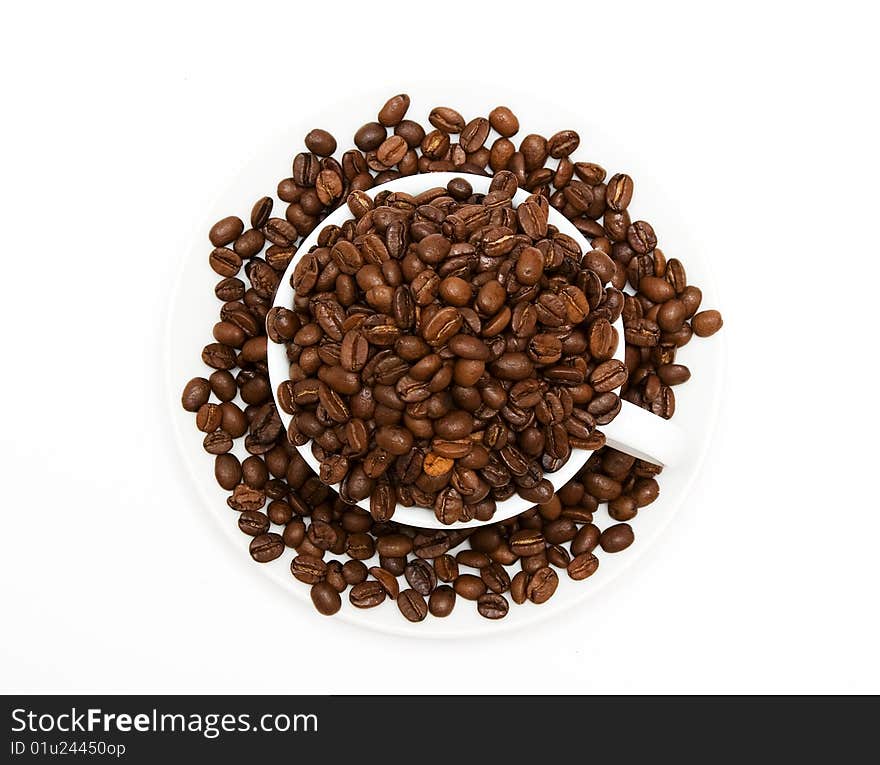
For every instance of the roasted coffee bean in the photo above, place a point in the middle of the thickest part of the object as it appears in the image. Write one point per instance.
(472, 558)
(474, 134)
(195, 394)
(394, 110)
(534, 151)
(671, 315)
(234, 421)
(442, 601)
(370, 136)
(266, 547)
(225, 231)
(367, 594)
(325, 599)
(294, 533)
(707, 323)
(608, 376)
(254, 472)
(446, 119)
(673, 374)
(306, 167)
(503, 121)
(354, 572)
(469, 587)
(563, 143)
(420, 576)
(618, 193)
(583, 566)
(253, 523)
(585, 540)
(527, 542)
(542, 584)
(225, 262)
(382, 502)
(412, 605)
(518, 587)
(589, 172)
(335, 577)
(446, 568)
(227, 471)
(640, 236)
(495, 577)
(320, 142)
(492, 606)
(616, 538)
(218, 442)
(387, 580)
(308, 569)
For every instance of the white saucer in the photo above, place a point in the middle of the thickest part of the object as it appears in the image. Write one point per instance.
(193, 312)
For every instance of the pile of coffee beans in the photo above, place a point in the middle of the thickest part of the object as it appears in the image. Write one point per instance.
(448, 348)
(338, 547)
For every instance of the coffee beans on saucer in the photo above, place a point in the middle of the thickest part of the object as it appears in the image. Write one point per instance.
(446, 350)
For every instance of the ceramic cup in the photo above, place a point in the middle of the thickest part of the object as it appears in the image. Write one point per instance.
(634, 430)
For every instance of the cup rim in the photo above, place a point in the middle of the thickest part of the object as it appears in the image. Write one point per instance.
(415, 516)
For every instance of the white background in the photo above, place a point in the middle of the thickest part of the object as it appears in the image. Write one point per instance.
(120, 123)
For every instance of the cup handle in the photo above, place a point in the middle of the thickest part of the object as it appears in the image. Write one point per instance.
(640, 433)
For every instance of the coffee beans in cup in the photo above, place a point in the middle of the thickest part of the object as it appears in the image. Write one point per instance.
(443, 355)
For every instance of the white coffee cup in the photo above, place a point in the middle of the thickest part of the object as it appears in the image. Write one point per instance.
(634, 430)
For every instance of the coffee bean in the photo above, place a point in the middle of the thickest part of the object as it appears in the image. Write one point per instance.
(608, 376)
(195, 394)
(503, 121)
(446, 119)
(412, 605)
(261, 212)
(492, 606)
(585, 540)
(266, 547)
(370, 136)
(226, 231)
(218, 442)
(253, 523)
(446, 568)
(534, 151)
(224, 261)
(542, 584)
(325, 599)
(640, 236)
(382, 502)
(527, 542)
(387, 580)
(707, 323)
(616, 538)
(320, 142)
(367, 594)
(496, 578)
(583, 566)
(227, 471)
(563, 143)
(394, 110)
(442, 601)
(673, 374)
(354, 572)
(474, 134)
(294, 533)
(392, 150)
(469, 587)
(421, 576)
